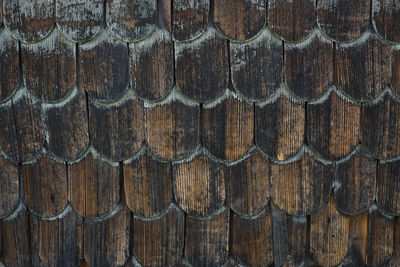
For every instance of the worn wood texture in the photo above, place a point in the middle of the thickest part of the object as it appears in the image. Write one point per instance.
(206, 240)
(247, 185)
(9, 65)
(257, 66)
(358, 240)
(333, 126)
(8, 133)
(151, 66)
(380, 238)
(190, 18)
(252, 239)
(280, 127)
(343, 20)
(364, 68)
(309, 69)
(202, 68)
(199, 186)
(292, 20)
(49, 67)
(15, 234)
(357, 178)
(298, 246)
(131, 20)
(9, 187)
(148, 186)
(106, 241)
(159, 242)
(388, 184)
(397, 242)
(172, 130)
(380, 125)
(67, 128)
(29, 21)
(104, 67)
(239, 19)
(94, 188)
(45, 186)
(57, 242)
(302, 186)
(396, 70)
(227, 128)
(329, 235)
(28, 124)
(79, 20)
(386, 19)
(117, 131)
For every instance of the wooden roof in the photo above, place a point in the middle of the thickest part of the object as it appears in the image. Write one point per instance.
(200, 133)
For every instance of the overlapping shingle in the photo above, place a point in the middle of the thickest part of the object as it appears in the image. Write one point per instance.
(199, 133)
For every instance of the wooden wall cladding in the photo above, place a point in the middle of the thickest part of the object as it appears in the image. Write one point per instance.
(199, 133)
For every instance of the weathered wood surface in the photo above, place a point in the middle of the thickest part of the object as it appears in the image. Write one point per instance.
(9, 67)
(239, 19)
(227, 128)
(388, 187)
(280, 127)
(148, 186)
(386, 19)
(199, 186)
(9, 187)
(93, 186)
(292, 20)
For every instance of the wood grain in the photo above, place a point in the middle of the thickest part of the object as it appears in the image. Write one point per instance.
(386, 18)
(106, 242)
(252, 239)
(333, 127)
(380, 238)
(9, 187)
(202, 69)
(109, 79)
(343, 20)
(329, 235)
(45, 186)
(357, 177)
(247, 185)
(49, 67)
(172, 130)
(388, 187)
(57, 242)
(151, 66)
(364, 70)
(380, 124)
(302, 186)
(9, 65)
(94, 188)
(148, 186)
(159, 242)
(227, 128)
(309, 70)
(79, 20)
(206, 240)
(199, 186)
(190, 18)
(8, 133)
(292, 20)
(358, 239)
(28, 124)
(239, 19)
(131, 20)
(298, 246)
(280, 127)
(396, 70)
(117, 131)
(29, 21)
(67, 127)
(257, 66)
(15, 250)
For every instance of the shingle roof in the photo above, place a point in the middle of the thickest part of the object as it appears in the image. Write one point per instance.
(200, 133)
